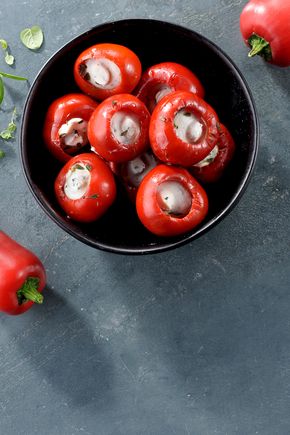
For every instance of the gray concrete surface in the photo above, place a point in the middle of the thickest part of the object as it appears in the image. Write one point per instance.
(193, 341)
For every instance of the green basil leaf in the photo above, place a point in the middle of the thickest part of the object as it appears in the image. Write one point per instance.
(9, 59)
(1, 90)
(32, 38)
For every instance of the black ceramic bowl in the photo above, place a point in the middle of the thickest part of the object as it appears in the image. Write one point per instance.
(153, 41)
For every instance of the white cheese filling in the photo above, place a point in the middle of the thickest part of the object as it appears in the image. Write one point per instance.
(77, 181)
(74, 133)
(125, 127)
(188, 127)
(160, 92)
(140, 166)
(101, 73)
(209, 158)
(173, 198)
(163, 90)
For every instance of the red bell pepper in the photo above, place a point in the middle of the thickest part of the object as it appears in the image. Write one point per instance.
(265, 26)
(22, 277)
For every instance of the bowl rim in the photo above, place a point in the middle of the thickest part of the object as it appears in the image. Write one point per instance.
(188, 237)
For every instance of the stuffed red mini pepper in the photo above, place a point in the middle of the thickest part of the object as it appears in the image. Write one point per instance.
(104, 70)
(85, 187)
(118, 129)
(22, 277)
(65, 126)
(183, 129)
(212, 167)
(162, 79)
(170, 201)
(131, 173)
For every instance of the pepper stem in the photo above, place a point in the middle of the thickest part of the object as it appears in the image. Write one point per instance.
(29, 292)
(259, 46)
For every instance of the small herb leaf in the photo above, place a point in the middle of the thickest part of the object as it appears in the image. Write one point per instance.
(1, 90)
(89, 167)
(2, 154)
(94, 196)
(11, 128)
(77, 166)
(9, 59)
(3, 44)
(32, 37)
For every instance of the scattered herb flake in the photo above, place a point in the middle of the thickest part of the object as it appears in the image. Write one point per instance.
(124, 132)
(89, 167)
(2, 154)
(77, 166)
(11, 128)
(9, 59)
(3, 44)
(94, 196)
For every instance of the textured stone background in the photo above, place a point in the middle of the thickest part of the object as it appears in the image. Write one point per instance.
(193, 341)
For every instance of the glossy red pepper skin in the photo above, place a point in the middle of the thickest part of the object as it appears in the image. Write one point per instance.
(99, 129)
(154, 218)
(214, 170)
(166, 145)
(173, 75)
(126, 60)
(100, 195)
(59, 112)
(270, 20)
(17, 264)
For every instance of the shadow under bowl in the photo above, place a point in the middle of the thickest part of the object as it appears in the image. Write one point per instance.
(119, 230)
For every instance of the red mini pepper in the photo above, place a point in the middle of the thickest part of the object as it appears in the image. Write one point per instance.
(22, 277)
(265, 26)
(162, 79)
(170, 201)
(62, 136)
(189, 139)
(211, 169)
(85, 187)
(118, 128)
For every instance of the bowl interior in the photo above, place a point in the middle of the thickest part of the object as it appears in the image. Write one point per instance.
(153, 41)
